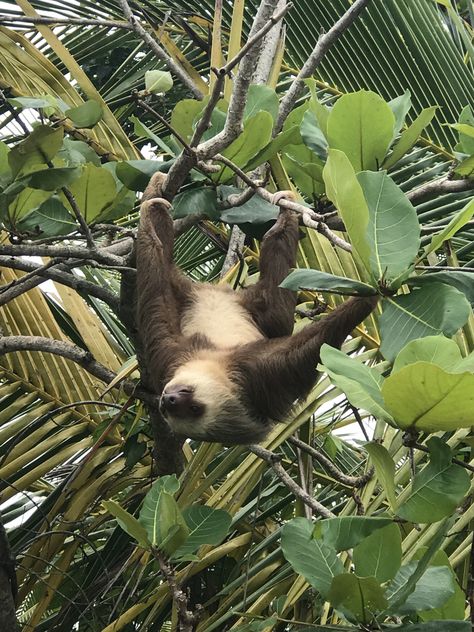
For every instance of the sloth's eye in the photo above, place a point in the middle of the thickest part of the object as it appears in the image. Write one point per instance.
(196, 410)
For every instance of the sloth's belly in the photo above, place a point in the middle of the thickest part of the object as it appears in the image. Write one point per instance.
(217, 314)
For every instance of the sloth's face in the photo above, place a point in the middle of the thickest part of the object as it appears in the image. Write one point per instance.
(201, 402)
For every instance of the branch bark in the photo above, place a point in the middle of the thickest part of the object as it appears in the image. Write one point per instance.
(439, 187)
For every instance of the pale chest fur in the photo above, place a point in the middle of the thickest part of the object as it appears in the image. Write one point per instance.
(218, 315)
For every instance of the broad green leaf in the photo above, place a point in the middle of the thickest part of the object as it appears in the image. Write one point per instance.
(400, 107)
(255, 211)
(206, 526)
(256, 135)
(172, 530)
(135, 174)
(360, 383)
(196, 200)
(437, 489)
(453, 608)
(291, 136)
(159, 517)
(464, 128)
(433, 400)
(455, 224)
(393, 231)
(432, 590)
(462, 281)
(322, 281)
(405, 582)
(361, 125)
(85, 115)
(261, 98)
(434, 349)
(434, 309)
(346, 532)
(26, 202)
(5, 171)
(41, 146)
(379, 555)
(384, 470)
(345, 192)
(183, 115)
(465, 168)
(466, 143)
(127, 522)
(358, 598)
(49, 219)
(307, 176)
(312, 134)
(52, 179)
(93, 191)
(158, 81)
(311, 558)
(77, 152)
(35, 103)
(409, 136)
(320, 111)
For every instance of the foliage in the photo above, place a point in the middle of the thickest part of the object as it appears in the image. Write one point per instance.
(91, 532)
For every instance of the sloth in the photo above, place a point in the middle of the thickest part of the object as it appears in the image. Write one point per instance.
(225, 364)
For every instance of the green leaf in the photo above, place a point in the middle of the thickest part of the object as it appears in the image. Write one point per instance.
(255, 211)
(77, 152)
(400, 107)
(463, 128)
(52, 179)
(434, 309)
(346, 532)
(261, 98)
(437, 489)
(393, 231)
(26, 202)
(256, 135)
(434, 349)
(432, 590)
(35, 103)
(306, 175)
(85, 115)
(465, 168)
(41, 146)
(404, 582)
(345, 192)
(384, 470)
(433, 400)
(312, 134)
(183, 115)
(322, 281)
(360, 383)
(196, 200)
(409, 136)
(466, 143)
(127, 522)
(93, 191)
(158, 81)
(311, 558)
(206, 526)
(49, 219)
(379, 555)
(161, 517)
(453, 608)
(320, 111)
(361, 125)
(358, 598)
(135, 174)
(5, 171)
(456, 223)
(462, 281)
(291, 136)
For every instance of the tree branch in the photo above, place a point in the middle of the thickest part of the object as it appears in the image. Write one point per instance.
(158, 50)
(439, 187)
(350, 481)
(324, 43)
(101, 255)
(11, 344)
(59, 273)
(25, 19)
(274, 461)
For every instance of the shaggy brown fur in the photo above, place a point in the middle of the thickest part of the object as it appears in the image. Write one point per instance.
(214, 389)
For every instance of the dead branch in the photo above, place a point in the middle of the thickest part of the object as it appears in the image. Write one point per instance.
(274, 460)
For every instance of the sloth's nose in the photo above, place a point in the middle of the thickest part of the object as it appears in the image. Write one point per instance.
(177, 399)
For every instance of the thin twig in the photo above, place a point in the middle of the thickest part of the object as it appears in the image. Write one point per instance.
(80, 219)
(160, 52)
(444, 268)
(25, 19)
(350, 481)
(274, 460)
(324, 43)
(162, 120)
(423, 448)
